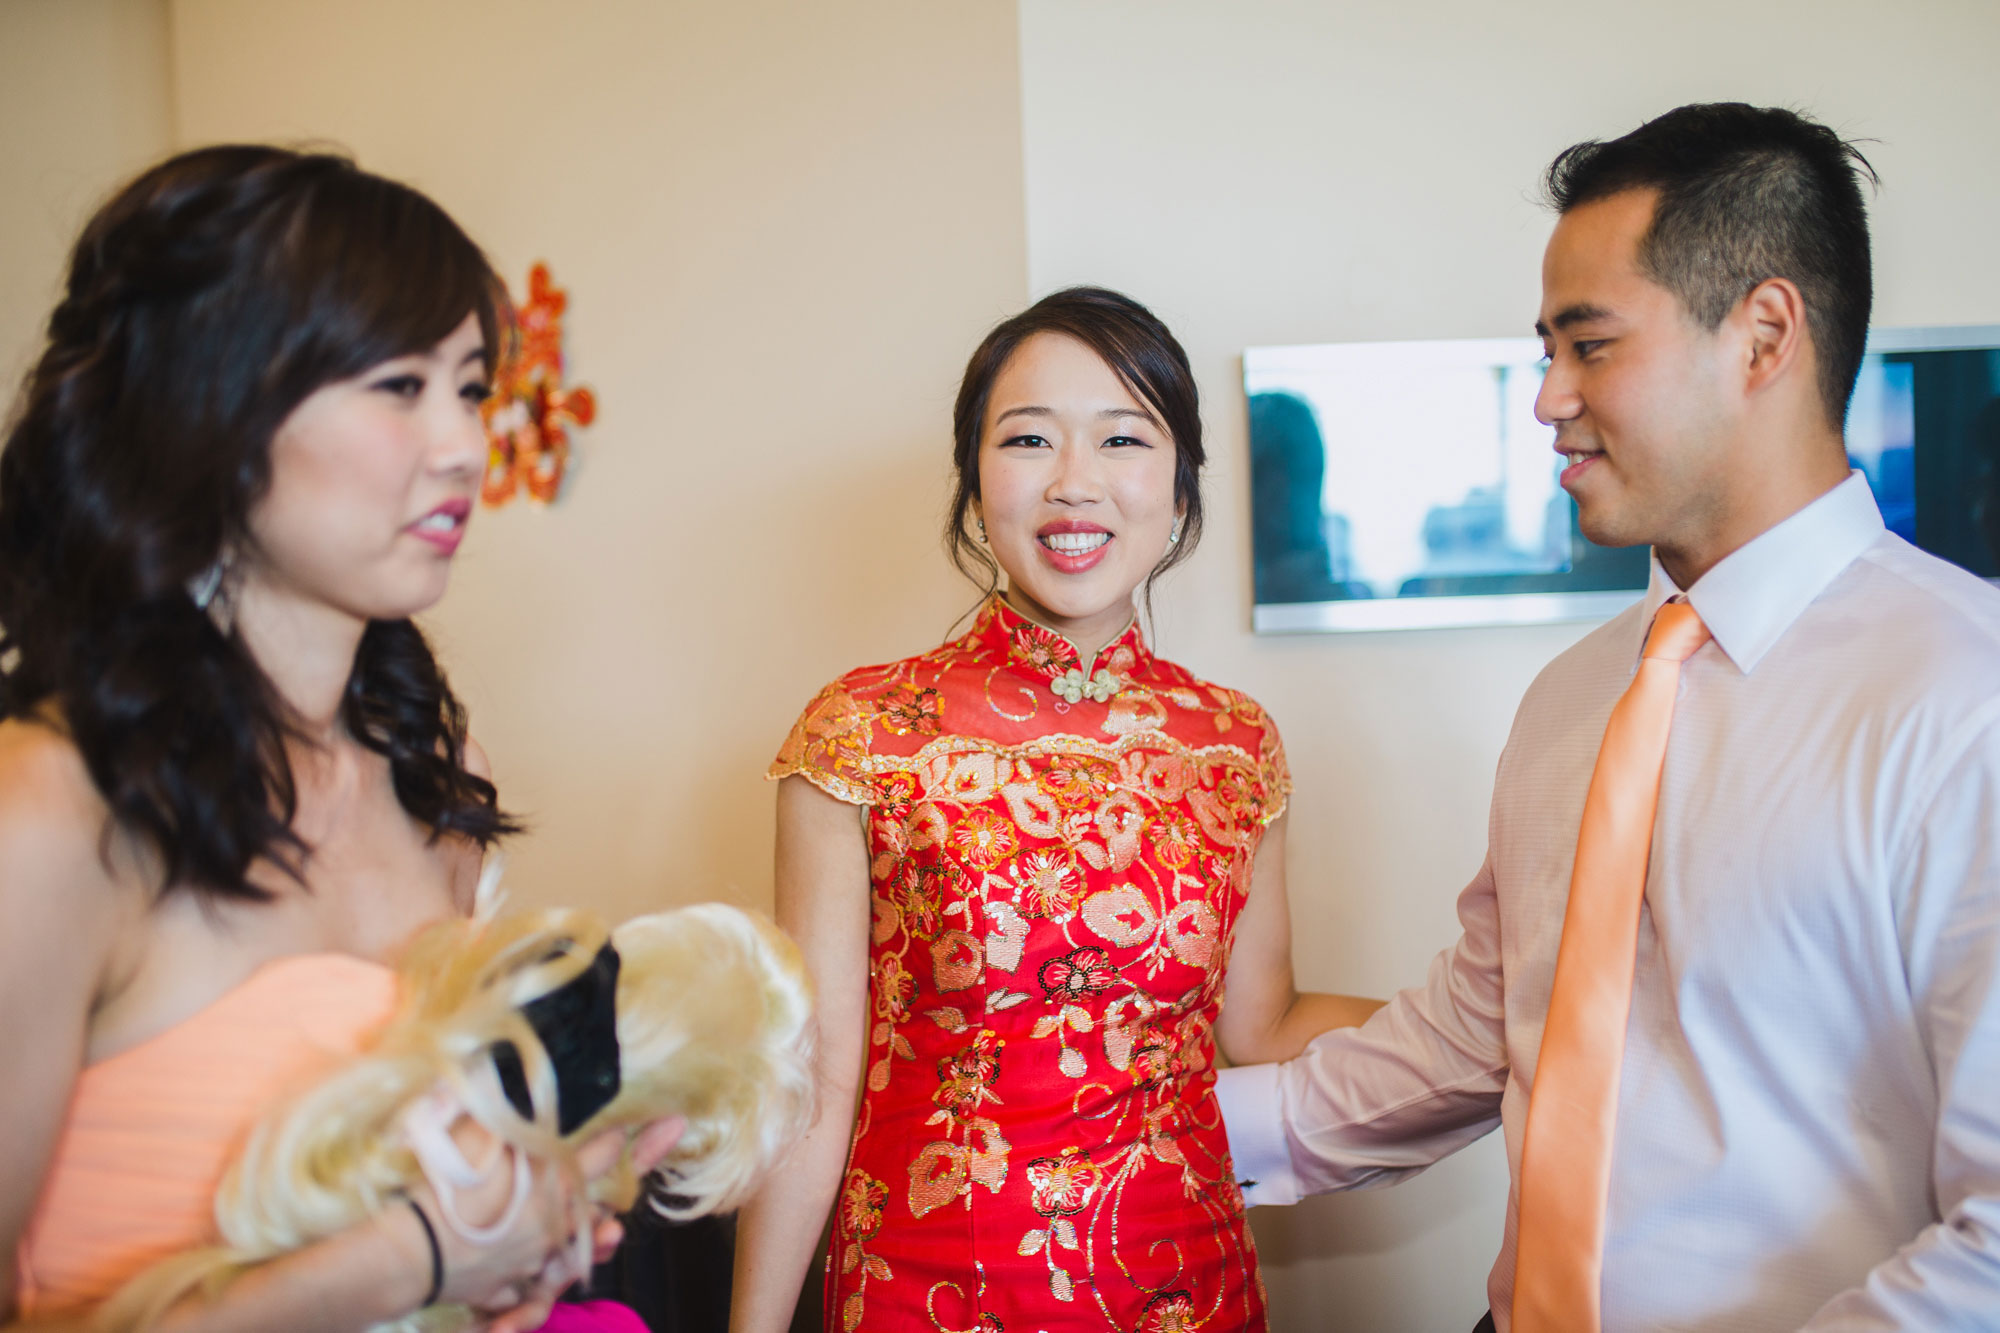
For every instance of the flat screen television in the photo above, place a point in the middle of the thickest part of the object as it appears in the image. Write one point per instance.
(1408, 485)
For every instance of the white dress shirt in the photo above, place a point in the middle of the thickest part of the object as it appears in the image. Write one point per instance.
(1809, 1118)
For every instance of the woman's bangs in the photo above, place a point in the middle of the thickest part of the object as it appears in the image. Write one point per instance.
(405, 277)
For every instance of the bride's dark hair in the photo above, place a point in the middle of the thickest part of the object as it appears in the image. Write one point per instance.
(205, 301)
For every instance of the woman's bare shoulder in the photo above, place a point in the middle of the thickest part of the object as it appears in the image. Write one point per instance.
(54, 827)
(66, 913)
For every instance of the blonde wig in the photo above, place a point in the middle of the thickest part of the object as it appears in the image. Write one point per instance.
(713, 1023)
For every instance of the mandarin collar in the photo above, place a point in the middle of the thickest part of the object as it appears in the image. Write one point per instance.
(1753, 594)
(1034, 648)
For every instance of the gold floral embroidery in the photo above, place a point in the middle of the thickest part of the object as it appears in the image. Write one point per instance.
(1170, 1312)
(907, 708)
(1190, 932)
(985, 838)
(861, 1206)
(1007, 941)
(829, 744)
(1061, 1187)
(894, 988)
(1054, 889)
(919, 892)
(965, 1080)
(860, 1219)
(947, 1169)
(937, 1176)
(955, 960)
(1121, 915)
(1077, 975)
(1048, 885)
(1076, 781)
(1174, 837)
(1134, 710)
(1041, 650)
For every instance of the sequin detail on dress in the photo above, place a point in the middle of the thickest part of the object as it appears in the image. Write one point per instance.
(1055, 881)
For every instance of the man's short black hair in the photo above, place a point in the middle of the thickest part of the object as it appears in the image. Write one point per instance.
(1745, 194)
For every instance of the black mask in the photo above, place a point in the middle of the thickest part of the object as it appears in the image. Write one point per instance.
(578, 1028)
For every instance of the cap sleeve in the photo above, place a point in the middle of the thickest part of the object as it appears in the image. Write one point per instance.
(829, 746)
(1273, 773)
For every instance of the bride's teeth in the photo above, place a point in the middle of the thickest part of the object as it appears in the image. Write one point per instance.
(1075, 543)
(438, 522)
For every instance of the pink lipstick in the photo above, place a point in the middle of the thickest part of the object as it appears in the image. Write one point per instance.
(1071, 545)
(444, 526)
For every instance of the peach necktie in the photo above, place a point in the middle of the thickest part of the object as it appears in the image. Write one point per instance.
(1573, 1109)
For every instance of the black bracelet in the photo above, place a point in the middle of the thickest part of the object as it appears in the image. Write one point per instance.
(437, 1253)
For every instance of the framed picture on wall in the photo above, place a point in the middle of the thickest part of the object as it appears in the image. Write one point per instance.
(1408, 485)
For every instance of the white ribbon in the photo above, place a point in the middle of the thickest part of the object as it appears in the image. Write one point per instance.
(427, 1124)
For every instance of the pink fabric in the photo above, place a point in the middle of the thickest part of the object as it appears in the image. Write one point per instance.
(152, 1128)
(594, 1317)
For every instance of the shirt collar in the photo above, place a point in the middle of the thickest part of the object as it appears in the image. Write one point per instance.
(1753, 594)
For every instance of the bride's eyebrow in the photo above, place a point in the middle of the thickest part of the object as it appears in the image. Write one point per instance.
(1113, 413)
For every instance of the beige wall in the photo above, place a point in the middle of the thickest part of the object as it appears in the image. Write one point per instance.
(783, 227)
(1286, 171)
(83, 103)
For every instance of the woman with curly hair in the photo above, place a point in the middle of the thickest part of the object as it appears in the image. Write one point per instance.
(1064, 889)
(233, 779)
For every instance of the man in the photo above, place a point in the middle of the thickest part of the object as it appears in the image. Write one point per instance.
(1798, 1126)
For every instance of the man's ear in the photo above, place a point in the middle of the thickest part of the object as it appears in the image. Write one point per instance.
(1774, 315)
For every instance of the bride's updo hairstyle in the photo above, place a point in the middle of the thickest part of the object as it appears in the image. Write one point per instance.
(204, 303)
(1140, 350)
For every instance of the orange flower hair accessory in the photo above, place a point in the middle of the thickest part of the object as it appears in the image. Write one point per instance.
(529, 415)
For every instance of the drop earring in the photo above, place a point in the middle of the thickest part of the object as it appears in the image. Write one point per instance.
(209, 591)
(203, 586)
(982, 530)
(1174, 537)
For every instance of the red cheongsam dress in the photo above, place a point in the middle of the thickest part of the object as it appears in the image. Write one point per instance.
(1058, 852)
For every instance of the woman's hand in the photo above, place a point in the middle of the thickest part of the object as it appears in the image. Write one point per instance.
(524, 1299)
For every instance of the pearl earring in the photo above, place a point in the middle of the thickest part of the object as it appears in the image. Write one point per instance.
(1174, 537)
(982, 531)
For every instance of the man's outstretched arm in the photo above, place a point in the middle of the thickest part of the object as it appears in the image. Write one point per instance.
(1374, 1104)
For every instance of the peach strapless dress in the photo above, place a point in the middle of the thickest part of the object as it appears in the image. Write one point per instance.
(151, 1129)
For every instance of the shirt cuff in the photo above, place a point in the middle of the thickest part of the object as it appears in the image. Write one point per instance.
(1253, 1116)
